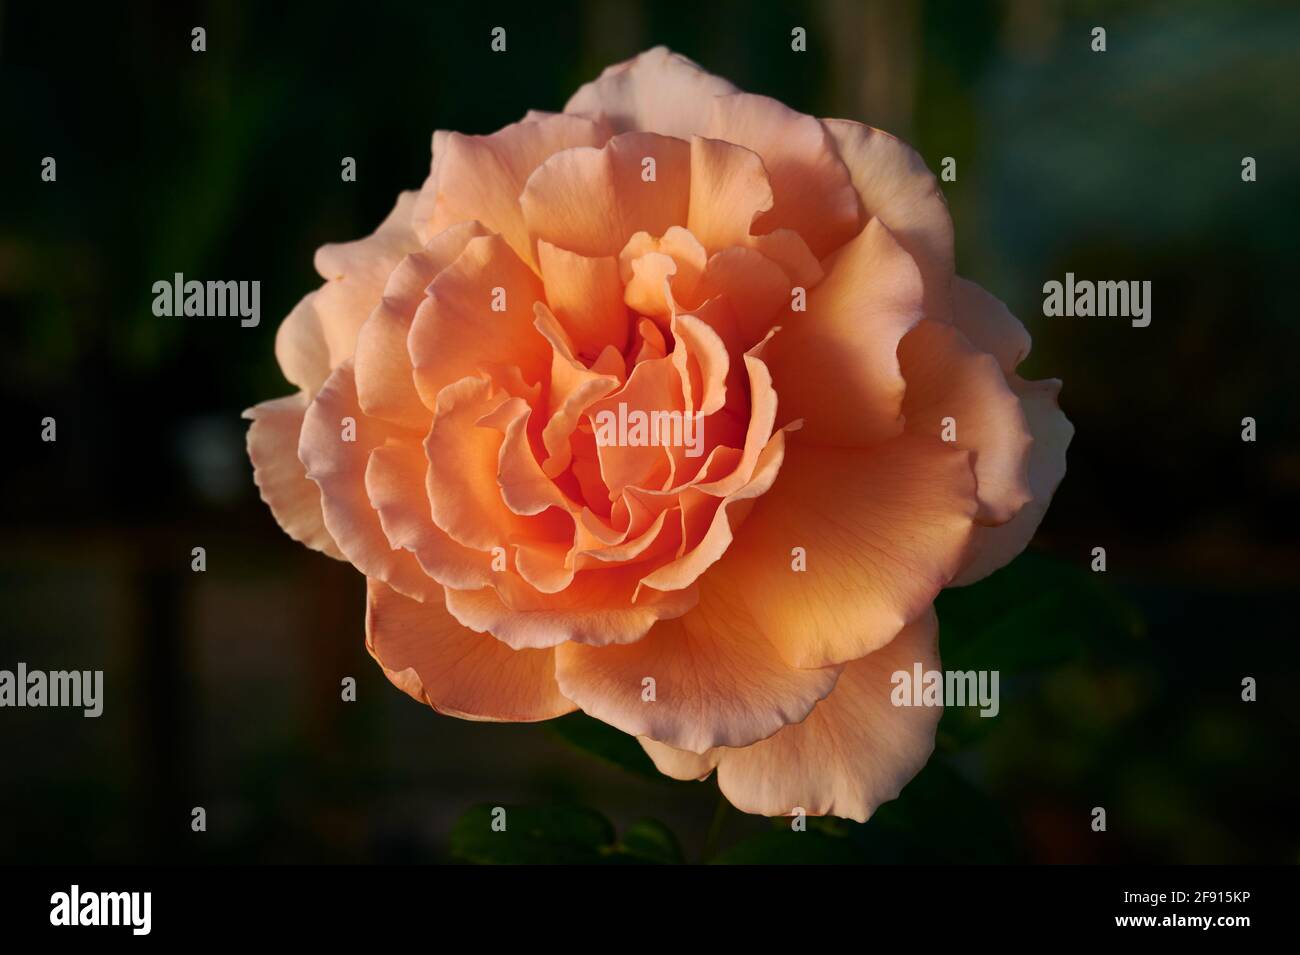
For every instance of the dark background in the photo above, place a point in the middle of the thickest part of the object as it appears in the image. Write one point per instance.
(1119, 690)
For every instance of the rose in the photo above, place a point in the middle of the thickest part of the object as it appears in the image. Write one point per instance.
(667, 244)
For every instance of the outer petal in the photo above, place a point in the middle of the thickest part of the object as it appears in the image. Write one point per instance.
(338, 467)
(896, 187)
(430, 656)
(480, 177)
(280, 476)
(836, 366)
(680, 763)
(993, 547)
(878, 549)
(356, 273)
(385, 378)
(300, 347)
(989, 324)
(659, 91)
(948, 378)
(856, 751)
(811, 187)
(718, 682)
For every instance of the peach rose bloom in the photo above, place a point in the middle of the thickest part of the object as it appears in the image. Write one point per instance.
(667, 243)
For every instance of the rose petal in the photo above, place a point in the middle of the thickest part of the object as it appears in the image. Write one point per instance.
(843, 352)
(855, 751)
(896, 187)
(457, 331)
(993, 547)
(729, 191)
(717, 682)
(586, 295)
(877, 550)
(812, 191)
(989, 325)
(338, 466)
(680, 763)
(356, 273)
(953, 385)
(430, 656)
(385, 378)
(300, 347)
(396, 485)
(281, 477)
(591, 201)
(463, 454)
(597, 608)
(654, 385)
(481, 177)
(573, 388)
(660, 91)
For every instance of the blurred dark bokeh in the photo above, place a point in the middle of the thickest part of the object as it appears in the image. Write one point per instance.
(1120, 690)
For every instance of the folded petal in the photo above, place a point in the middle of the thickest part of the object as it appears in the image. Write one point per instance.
(430, 656)
(385, 377)
(855, 751)
(356, 273)
(478, 316)
(679, 763)
(396, 478)
(300, 347)
(716, 680)
(896, 187)
(481, 177)
(280, 476)
(993, 547)
(958, 393)
(591, 201)
(812, 191)
(836, 366)
(573, 387)
(705, 545)
(989, 324)
(654, 385)
(729, 191)
(754, 288)
(463, 452)
(335, 445)
(597, 608)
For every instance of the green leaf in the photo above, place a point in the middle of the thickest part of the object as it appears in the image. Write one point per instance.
(649, 840)
(603, 741)
(533, 835)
